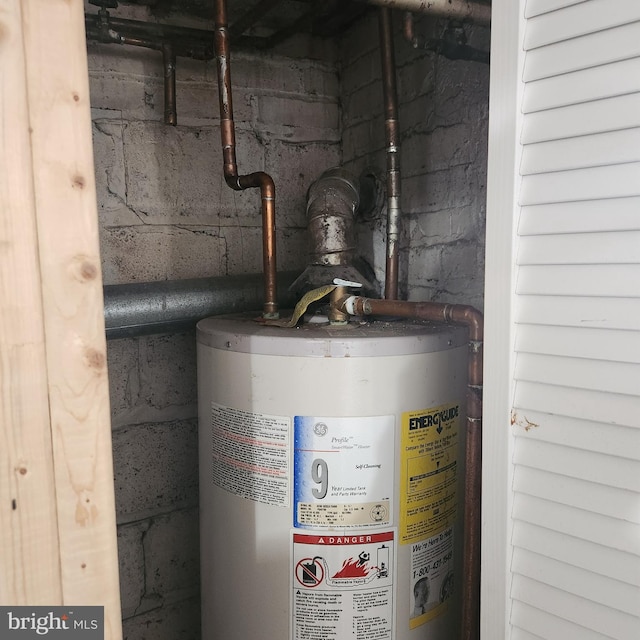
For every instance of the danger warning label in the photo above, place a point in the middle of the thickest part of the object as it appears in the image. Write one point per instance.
(343, 586)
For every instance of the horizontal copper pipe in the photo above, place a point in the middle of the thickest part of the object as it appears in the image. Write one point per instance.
(471, 318)
(258, 179)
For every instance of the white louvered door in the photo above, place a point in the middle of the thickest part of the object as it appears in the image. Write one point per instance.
(561, 520)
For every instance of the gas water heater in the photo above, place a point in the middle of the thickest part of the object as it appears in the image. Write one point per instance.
(331, 471)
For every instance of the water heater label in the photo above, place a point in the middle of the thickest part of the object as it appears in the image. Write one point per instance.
(429, 478)
(250, 454)
(343, 471)
(343, 586)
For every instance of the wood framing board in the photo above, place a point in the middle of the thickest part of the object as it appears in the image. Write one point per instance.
(72, 306)
(29, 555)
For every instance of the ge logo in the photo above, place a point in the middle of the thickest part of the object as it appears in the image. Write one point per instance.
(320, 429)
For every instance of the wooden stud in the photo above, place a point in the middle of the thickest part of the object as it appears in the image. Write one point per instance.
(58, 251)
(29, 555)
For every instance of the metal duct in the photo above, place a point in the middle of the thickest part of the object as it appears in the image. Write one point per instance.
(175, 305)
(332, 202)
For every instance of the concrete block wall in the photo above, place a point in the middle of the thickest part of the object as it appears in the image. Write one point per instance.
(153, 405)
(166, 213)
(165, 209)
(443, 113)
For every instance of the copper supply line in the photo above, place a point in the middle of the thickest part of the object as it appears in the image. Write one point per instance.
(392, 129)
(169, 67)
(237, 182)
(472, 319)
(169, 64)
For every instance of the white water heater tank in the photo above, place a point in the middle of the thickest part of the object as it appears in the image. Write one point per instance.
(331, 475)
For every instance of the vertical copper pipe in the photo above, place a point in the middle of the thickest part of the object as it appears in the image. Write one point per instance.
(393, 151)
(258, 179)
(407, 28)
(471, 318)
(169, 62)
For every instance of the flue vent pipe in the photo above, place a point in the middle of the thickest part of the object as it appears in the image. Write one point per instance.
(259, 179)
(331, 205)
(461, 10)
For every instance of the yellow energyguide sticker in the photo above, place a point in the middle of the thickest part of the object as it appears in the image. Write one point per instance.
(429, 471)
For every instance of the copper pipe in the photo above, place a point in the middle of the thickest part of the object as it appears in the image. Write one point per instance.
(407, 28)
(155, 30)
(230, 166)
(471, 318)
(390, 94)
(169, 66)
(135, 41)
(169, 62)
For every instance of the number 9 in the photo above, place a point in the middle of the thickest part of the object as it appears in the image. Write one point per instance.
(319, 474)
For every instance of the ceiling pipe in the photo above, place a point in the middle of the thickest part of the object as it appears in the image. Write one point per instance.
(237, 182)
(168, 306)
(461, 10)
(187, 42)
(392, 130)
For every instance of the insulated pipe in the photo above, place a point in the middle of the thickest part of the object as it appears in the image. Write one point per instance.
(143, 308)
(461, 10)
(235, 181)
(393, 151)
(471, 318)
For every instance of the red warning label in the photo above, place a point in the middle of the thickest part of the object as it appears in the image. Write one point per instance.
(345, 584)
